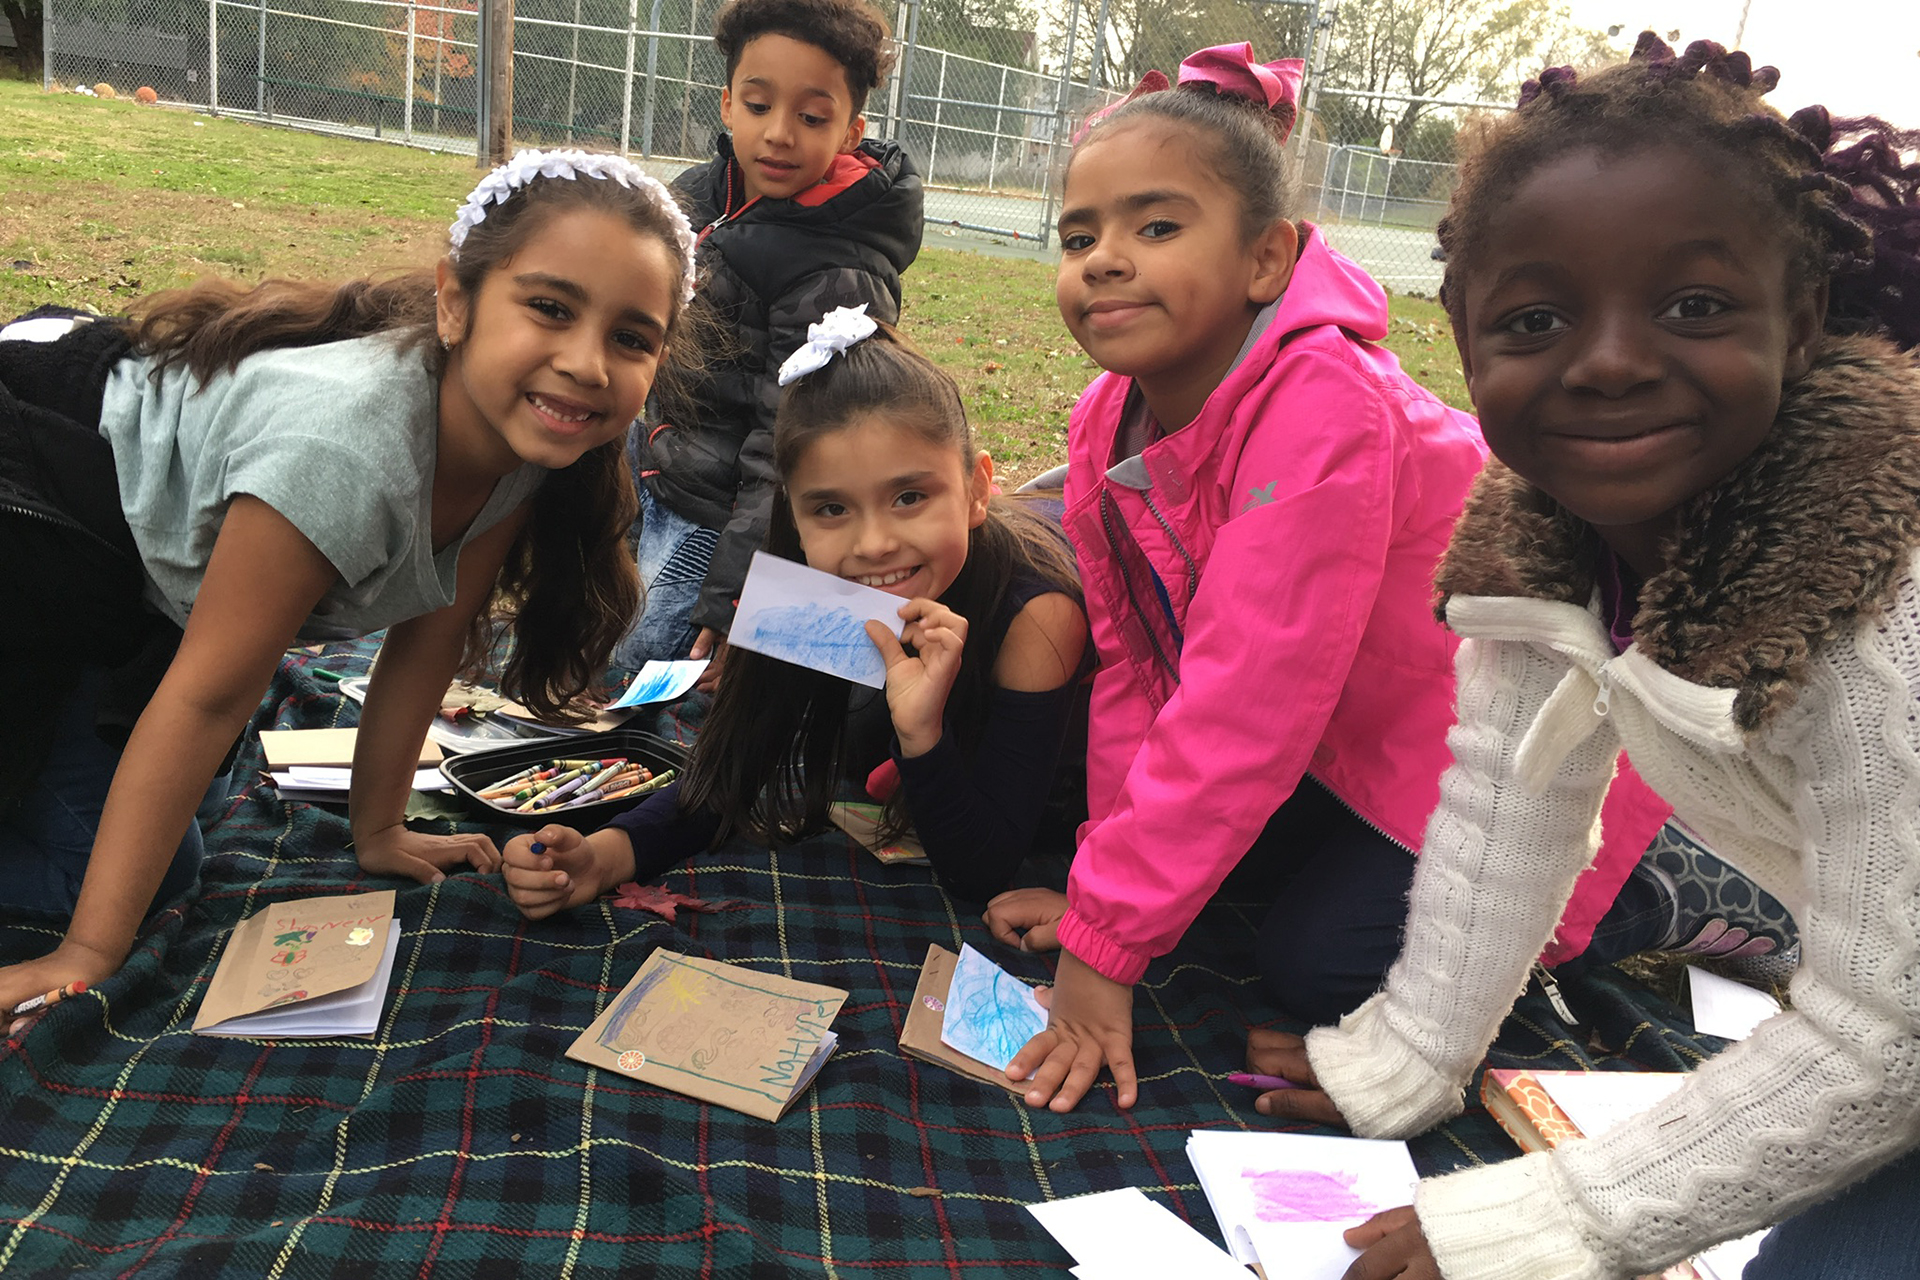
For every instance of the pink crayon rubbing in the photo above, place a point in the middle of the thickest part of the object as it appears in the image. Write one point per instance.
(1306, 1195)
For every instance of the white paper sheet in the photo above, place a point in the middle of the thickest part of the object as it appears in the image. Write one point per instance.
(1725, 1008)
(353, 1012)
(1596, 1101)
(990, 1014)
(661, 682)
(1122, 1235)
(1727, 1261)
(1283, 1199)
(310, 782)
(814, 619)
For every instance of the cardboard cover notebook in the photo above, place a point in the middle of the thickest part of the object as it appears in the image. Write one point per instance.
(923, 1034)
(305, 968)
(864, 822)
(717, 1032)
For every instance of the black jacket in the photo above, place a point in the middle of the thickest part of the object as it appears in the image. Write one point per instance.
(769, 269)
(72, 591)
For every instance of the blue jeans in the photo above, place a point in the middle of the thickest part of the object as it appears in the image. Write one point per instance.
(674, 553)
(1870, 1231)
(45, 842)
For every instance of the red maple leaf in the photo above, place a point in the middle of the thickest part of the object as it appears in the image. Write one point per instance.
(662, 902)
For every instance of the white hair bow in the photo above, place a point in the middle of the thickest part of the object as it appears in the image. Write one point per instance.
(833, 333)
(525, 166)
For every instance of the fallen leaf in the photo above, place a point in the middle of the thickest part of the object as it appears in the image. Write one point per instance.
(662, 902)
(923, 1192)
(263, 1166)
(993, 366)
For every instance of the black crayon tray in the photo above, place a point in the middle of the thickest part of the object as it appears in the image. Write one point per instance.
(472, 772)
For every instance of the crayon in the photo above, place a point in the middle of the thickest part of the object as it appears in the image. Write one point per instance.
(560, 792)
(1260, 1082)
(612, 791)
(49, 1000)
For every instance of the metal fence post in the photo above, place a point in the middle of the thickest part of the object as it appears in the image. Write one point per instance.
(573, 68)
(626, 85)
(46, 48)
(260, 63)
(653, 65)
(939, 102)
(1059, 121)
(213, 57)
(440, 25)
(993, 151)
(905, 109)
(413, 33)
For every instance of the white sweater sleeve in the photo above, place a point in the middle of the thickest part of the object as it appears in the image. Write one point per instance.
(1818, 1096)
(1496, 868)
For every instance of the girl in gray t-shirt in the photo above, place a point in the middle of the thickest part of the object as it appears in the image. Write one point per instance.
(189, 492)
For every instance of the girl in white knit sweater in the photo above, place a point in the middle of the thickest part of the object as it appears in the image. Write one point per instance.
(1686, 324)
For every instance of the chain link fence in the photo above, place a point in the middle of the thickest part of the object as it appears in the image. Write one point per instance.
(984, 122)
(1375, 171)
(986, 112)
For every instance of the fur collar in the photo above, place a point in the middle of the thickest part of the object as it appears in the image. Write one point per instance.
(1809, 533)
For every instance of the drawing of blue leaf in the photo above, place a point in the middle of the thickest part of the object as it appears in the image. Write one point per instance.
(823, 637)
(990, 1014)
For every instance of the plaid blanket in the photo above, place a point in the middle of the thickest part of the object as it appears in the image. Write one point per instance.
(459, 1141)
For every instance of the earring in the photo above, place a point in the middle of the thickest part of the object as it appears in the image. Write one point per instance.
(446, 344)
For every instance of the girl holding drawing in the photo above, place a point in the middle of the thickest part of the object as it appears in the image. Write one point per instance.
(1688, 325)
(186, 494)
(879, 484)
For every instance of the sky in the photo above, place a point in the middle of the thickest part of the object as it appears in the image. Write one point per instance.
(1858, 57)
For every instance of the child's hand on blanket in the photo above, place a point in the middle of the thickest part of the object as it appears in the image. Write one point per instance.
(396, 851)
(1280, 1053)
(1027, 918)
(1089, 1024)
(556, 868)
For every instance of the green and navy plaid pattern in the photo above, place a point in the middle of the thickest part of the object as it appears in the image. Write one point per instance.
(459, 1141)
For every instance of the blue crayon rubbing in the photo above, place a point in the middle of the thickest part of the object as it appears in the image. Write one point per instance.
(823, 637)
(990, 1014)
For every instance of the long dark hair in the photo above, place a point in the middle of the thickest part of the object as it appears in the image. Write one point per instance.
(569, 588)
(770, 754)
(1840, 191)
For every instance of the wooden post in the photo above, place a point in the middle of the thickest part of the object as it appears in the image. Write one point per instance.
(497, 144)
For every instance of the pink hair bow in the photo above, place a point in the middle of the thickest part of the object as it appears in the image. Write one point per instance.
(1229, 69)
(1232, 72)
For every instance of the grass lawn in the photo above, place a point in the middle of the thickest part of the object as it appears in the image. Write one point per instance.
(101, 201)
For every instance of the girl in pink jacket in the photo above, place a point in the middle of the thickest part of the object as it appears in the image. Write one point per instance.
(1257, 496)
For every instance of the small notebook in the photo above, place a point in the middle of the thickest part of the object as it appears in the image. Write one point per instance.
(717, 1032)
(1542, 1109)
(1283, 1200)
(920, 1037)
(309, 968)
(863, 822)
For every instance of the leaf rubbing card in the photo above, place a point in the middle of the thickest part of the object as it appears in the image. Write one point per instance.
(717, 1032)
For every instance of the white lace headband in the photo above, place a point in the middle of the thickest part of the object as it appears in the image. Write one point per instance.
(833, 333)
(497, 187)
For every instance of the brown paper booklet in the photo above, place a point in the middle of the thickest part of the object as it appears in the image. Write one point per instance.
(717, 1032)
(312, 967)
(920, 1037)
(863, 822)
